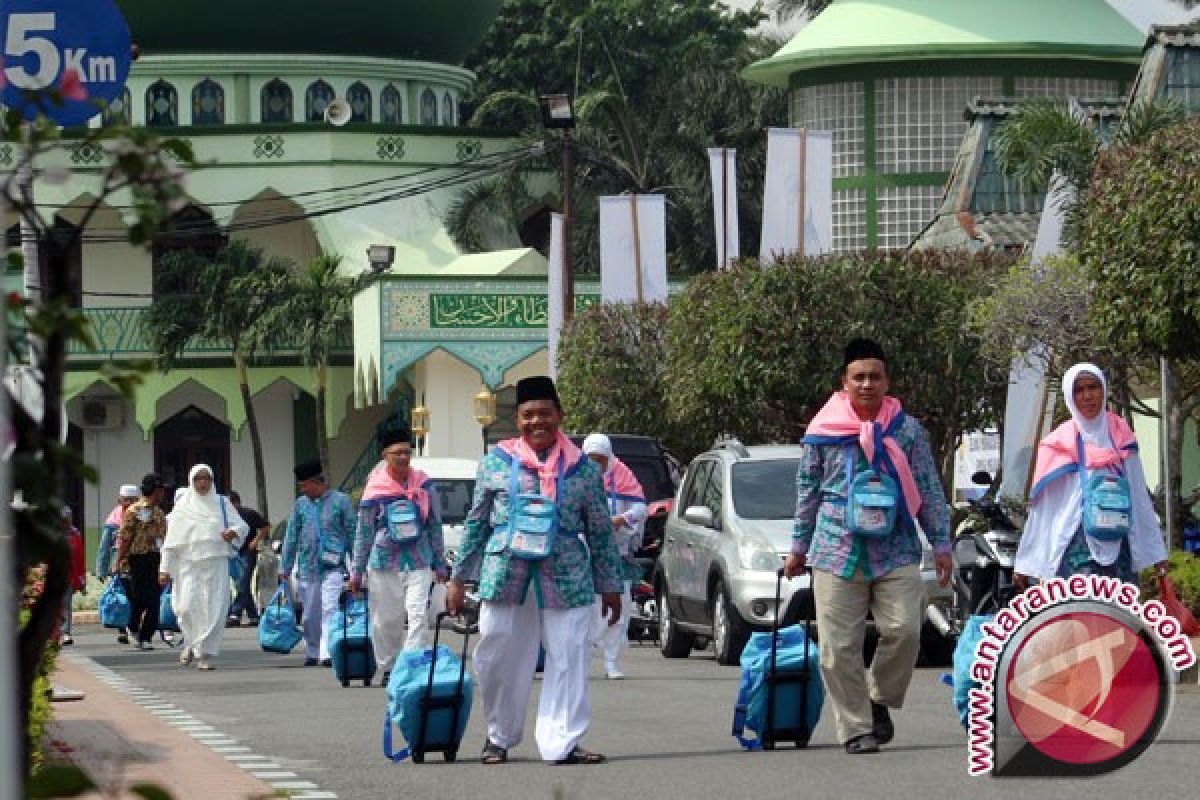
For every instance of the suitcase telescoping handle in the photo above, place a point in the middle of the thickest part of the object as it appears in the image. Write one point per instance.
(462, 669)
(807, 607)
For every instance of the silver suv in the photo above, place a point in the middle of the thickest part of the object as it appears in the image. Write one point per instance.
(726, 537)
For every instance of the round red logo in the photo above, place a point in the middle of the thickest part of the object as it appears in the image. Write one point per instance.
(1084, 688)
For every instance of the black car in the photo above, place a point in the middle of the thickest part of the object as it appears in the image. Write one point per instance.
(658, 473)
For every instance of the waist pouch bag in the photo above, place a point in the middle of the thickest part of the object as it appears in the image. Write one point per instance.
(114, 604)
(532, 521)
(1107, 503)
(167, 621)
(403, 522)
(277, 631)
(871, 500)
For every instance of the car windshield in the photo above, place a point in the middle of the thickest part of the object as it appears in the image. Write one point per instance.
(765, 489)
(652, 474)
(454, 499)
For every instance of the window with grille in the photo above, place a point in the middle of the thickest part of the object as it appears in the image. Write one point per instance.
(276, 102)
(836, 107)
(359, 98)
(429, 109)
(1183, 76)
(208, 103)
(162, 105)
(391, 106)
(903, 211)
(1066, 87)
(316, 100)
(849, 220)
(119, 111)
(919, 122)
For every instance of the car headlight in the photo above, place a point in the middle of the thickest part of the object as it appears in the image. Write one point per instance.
(758, 556)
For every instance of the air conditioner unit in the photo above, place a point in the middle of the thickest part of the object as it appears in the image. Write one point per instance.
(102, 413)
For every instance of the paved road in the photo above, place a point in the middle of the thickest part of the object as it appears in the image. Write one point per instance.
(666, 731)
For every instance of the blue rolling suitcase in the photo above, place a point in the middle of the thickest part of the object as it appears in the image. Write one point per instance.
(429, 698)
(350, 647)
(781, 692)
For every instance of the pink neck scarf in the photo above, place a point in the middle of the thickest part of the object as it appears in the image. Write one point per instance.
(116, 516)
(562, 456)
(838, 420)
(1058, 452)
(381, 485)
(621, 481)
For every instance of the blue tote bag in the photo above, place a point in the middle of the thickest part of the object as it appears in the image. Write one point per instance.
(115, 609)
(277, 630)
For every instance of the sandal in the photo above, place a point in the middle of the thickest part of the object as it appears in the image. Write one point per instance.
(581, 756)
(494, 754)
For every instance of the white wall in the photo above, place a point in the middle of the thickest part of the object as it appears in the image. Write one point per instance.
(449, 387)
(120, 456)
(273, 407)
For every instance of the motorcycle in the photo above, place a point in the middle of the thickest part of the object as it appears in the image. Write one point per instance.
(985, 551)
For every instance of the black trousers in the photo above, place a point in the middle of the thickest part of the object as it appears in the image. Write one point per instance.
(144, 595)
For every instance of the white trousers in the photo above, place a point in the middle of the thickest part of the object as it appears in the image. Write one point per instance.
(200, 597)
(398, 600)
(505, 659)
(613, 639)
(320, 601)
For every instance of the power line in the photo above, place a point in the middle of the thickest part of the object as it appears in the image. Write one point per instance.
(467, 172)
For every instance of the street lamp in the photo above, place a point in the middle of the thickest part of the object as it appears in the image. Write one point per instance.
(559, 114)
(485, 411)
(380, 257)
(420, 424)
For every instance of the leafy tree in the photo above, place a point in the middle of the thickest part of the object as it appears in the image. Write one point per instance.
(612, 370)
(755, 351)
(149, 170)
(641, 128)
(575, 46)
(228, 300)
(789, 8)
(316, 309)
(1139, 239)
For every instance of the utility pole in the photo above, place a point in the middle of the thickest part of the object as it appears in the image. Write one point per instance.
(568, 168)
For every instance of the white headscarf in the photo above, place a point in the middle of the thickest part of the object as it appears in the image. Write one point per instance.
(197, 523)
(599, 444)
(1095, 430)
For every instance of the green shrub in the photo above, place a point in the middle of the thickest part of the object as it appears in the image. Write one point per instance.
(755, 351)
(611, 371)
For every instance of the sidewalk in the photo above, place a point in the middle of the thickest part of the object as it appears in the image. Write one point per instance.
(119, 743)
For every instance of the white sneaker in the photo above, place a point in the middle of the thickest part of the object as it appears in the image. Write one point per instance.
(613, 673)
(205, 664)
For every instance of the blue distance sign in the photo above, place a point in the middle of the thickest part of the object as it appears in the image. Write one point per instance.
(80, 47)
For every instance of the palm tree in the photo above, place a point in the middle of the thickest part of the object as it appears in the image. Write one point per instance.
(317, 310)
(223, 299)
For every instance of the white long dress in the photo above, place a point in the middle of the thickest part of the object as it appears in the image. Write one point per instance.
(196, 557)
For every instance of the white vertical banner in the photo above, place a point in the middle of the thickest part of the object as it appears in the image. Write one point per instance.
(1030, 400)
(633, 248)
(798, 196)
(554, 292)
(723, 166)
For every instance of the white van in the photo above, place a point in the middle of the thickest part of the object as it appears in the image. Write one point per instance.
(455, 479)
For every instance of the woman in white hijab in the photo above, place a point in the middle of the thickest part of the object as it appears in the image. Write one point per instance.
(1055, 542)
(203, 531)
